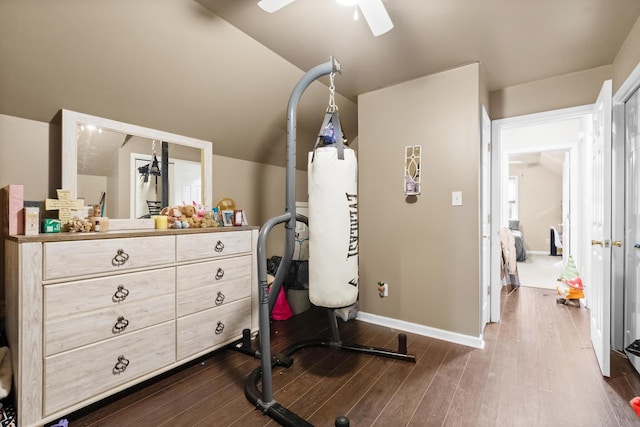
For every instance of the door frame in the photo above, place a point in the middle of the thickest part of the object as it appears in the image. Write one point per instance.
(485, 221)
(498, 165)
(620, 97)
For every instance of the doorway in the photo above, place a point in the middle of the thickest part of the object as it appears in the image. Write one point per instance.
(536, 200)
(563, 130)
(539, 200)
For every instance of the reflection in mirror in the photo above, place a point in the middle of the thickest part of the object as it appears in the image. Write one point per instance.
(138, 170)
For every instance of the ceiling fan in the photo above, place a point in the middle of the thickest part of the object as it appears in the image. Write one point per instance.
(373, 10)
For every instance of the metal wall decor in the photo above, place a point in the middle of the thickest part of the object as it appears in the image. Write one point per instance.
(412, 172)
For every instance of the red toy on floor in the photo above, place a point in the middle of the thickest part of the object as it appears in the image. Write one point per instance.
(635, 404)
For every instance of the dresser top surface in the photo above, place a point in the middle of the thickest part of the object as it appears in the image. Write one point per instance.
(67, 236)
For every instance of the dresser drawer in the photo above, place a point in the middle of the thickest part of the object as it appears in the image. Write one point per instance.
(74, 376)
(201, 246)
(85, 257)
(211, 284)
(83, 312)
(212, 327)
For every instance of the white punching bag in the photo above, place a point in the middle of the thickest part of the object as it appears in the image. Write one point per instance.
(333, 227)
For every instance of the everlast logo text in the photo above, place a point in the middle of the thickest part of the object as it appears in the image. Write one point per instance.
(353, 224)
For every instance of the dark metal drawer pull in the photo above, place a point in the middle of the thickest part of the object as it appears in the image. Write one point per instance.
(121, 294)
(219, 246)
(120, 325)
(120, 258)
(219, 273)
(219, 328)
(220, 298)
(121, 365)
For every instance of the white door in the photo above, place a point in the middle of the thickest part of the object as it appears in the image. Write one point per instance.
(486, 219)
(632, 224)
(600, 295)
(186, 182)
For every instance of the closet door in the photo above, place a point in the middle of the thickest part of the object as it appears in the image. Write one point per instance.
(632, 224)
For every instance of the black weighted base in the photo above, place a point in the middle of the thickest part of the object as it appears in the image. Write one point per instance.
(634, 348)
(281, 414)
(342, 421)
(243, 345)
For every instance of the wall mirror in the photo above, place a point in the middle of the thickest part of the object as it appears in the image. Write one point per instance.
(129, 167)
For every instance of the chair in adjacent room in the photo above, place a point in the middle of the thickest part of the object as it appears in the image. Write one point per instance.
(555, 242)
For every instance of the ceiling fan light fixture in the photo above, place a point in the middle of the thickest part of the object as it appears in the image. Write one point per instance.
(373, 12)
(273, 5)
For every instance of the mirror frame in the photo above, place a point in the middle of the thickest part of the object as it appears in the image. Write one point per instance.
(70, 121)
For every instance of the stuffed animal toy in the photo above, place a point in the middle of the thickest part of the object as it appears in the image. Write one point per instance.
(200, 210)
(173, 214)
(188, 215)
(77, 225)
(208, 221)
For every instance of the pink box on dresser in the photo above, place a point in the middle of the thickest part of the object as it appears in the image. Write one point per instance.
(12, 209)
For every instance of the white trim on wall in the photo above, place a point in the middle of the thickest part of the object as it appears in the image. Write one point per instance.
(427, 331)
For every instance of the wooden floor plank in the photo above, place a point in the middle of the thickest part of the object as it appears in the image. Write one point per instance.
(469, 395)
(501, 381)
(374, 401)
(435, 403)
(404, 402)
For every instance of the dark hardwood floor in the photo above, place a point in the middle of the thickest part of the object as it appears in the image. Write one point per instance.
(537, 369)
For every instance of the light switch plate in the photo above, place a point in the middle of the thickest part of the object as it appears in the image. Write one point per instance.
(456, 198)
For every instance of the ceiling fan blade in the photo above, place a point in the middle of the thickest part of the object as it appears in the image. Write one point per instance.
(376, 16)
(273, 5)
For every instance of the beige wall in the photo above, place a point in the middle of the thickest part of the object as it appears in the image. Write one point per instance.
(30, 155)
(539, 203)
(628, 57)
(570, 90)
(259, 189)
(426, 249)
(558, 92)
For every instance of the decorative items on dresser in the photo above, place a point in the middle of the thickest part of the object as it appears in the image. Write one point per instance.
(91, 314)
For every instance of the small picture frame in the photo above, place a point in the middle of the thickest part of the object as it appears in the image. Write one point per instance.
(237, 217)
(227, 218)
(244, 219)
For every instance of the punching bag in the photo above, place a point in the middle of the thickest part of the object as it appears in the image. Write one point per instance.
(333, 225)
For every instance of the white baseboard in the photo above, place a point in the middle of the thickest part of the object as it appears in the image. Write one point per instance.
(427, 331)
(538, 252)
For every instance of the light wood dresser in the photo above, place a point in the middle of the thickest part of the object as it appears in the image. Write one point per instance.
(91, 314)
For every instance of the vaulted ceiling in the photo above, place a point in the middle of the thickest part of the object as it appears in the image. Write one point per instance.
(517, 41)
